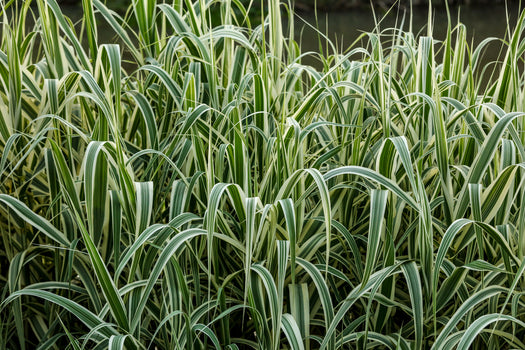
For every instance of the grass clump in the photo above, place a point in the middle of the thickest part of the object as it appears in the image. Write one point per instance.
(197, 186)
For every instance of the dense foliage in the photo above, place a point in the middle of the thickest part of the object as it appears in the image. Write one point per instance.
(197, 186)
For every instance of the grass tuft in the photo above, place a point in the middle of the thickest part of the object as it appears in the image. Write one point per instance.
(195, 185)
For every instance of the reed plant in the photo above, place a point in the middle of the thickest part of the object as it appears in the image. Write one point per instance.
(195, 185)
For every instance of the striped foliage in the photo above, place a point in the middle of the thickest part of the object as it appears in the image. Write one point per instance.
(195, 185)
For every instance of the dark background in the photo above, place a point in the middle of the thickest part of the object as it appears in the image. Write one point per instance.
(332, 5)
